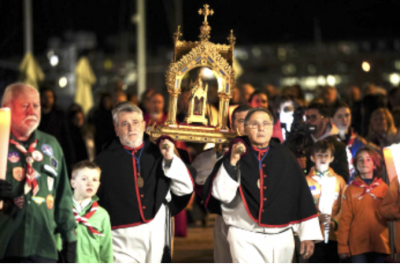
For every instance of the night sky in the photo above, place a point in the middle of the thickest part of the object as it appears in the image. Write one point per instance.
(253, 22)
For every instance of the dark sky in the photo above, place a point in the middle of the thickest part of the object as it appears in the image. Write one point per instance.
(254, 22)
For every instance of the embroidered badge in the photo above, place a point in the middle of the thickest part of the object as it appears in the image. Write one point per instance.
(18, 173)
(46, 149)
(38, 200)
(50, 202)
(312, 187)
(54, 162)
(13, 157)
(50, 170)
(50, 183)
(37, 156)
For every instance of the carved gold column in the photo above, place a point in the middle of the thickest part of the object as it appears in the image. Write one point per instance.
(173, 104)
(223, 110)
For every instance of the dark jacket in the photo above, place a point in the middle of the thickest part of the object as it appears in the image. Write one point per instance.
(103, 122)
(55, 123)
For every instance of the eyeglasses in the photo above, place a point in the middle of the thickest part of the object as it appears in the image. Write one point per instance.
(312, 118)
(255, 124)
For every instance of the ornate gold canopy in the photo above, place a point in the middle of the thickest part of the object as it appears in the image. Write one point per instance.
(190, 55)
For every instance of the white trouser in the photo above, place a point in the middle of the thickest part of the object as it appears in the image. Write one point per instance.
(222, 253)
(250, 247)
(140, 244)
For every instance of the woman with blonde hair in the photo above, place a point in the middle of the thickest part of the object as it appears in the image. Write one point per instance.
(382, 130)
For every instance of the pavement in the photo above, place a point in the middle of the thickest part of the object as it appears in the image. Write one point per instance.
(197, 246)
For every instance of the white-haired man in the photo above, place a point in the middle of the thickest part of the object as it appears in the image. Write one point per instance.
(39, 199)
(138, 180)
(263, 196)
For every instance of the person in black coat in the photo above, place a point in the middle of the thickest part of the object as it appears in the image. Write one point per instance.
(141, 183)
(55, 123)
(319, 116)
(262, 194)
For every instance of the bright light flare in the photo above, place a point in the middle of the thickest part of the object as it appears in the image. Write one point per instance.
(63, 82)
(366, 66)
(54, 60)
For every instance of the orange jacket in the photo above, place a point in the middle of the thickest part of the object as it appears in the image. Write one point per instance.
(390, 209)
(316, 193)
(361, 227)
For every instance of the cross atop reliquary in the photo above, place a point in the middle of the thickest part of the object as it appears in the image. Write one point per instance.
(205, 29)
(186, 57)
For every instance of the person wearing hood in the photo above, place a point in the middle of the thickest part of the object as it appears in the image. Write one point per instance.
(318, 115)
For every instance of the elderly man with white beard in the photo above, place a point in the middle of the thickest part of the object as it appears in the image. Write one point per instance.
(140, 183)
(38, 199)
(263, 196)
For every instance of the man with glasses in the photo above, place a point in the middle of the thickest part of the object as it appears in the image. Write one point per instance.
(263, 196)
(139, 179)
(318, 115)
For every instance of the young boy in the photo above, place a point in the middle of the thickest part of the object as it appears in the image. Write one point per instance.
(326, 188)
(94, 228)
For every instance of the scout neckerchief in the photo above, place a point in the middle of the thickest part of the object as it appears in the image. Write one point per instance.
(367, 189)
(85, 219)
(140, 180)
(30, 173)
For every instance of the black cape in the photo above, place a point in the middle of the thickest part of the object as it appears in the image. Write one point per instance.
(283, 197)
(127, 204)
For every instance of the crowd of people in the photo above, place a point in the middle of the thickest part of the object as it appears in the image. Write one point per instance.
(330, 201)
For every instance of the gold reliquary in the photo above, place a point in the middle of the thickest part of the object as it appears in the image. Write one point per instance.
(186, 57)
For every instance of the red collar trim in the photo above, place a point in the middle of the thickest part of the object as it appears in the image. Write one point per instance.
(133, 149)
(261, 150)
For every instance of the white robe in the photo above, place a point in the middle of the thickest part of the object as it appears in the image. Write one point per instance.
(145, 243)
(225, 189)
(204, 164)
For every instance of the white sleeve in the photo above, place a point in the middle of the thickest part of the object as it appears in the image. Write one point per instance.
(181, 182)
(224, 188)
(309, 230)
